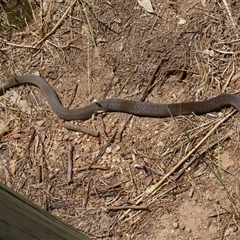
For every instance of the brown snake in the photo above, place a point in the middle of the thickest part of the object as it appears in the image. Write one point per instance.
(138, 108)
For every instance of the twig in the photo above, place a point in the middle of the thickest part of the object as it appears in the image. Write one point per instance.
(154, 189)
(77, 128)
(145, 92)
(70, 163)
(92, 167)
(229, 79)
(140, 199)
(223, 52)
(229, 13)
(139, 207)
(20, 45)
(72, 96)
(120, 132)
(39, 173)
(101, 152)
(56, 26)
(103, 127)
(180, 173)
(151, 81)
(33, 134)
(87, 192)
(33, 13)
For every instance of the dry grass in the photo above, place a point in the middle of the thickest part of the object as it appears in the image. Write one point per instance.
(135, 180)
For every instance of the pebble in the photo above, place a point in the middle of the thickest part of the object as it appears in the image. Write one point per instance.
(87, 149)
(117, 148)
(182, 227)
(175, 225)
(108, 150)
(181, 21)
(66, 137)
(95, 147)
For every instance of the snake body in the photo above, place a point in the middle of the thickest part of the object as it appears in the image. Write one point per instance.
(138, 108)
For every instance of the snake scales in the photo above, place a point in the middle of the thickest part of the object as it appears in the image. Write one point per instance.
(119, 105)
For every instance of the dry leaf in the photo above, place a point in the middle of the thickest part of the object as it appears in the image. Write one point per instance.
(147, 5)
(40, 122)
(147, 180)
(15, 135)
(109, 174)
(15, 98)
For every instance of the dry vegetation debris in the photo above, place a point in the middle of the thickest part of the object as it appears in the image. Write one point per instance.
(186, 50)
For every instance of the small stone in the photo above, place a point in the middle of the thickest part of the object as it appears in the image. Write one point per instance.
(160, 144)
(108, 150)
(117, 148)
(95, 147)
(181, 21)
(182, 226)
(59, 137)
(175, 225)
(109, 174)
(87, 149)
(113, 125)
(66, 137)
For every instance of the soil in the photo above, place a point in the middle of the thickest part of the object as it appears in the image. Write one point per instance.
(125, 184)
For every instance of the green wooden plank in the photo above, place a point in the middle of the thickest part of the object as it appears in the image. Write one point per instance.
(21, 219)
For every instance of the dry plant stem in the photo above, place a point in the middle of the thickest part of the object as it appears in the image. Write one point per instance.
(70, 162)
(151, 81)
(91, 33)
(154, 189)
(120, 132)
(103, 126)
(139, 207)
(56, 26)
(229, 79)
(140, 198)
(33, 134)
(76, 128)
(73, 96)
(223, 52)
(20, 45)
(87, 192)
(180, 173)
(39, 173)
(145, 92)
(229, 13)
(92, 167)
(33, 13)
(101, 152)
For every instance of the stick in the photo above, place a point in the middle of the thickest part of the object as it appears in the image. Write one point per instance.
(70, 163)
(76, 128)
(56, 26)
(154, 189)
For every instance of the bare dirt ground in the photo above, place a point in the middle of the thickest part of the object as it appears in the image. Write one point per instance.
(100, 49)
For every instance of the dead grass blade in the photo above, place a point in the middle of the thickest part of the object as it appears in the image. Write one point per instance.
(229, 13)
(56, 26)
(154, 189)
